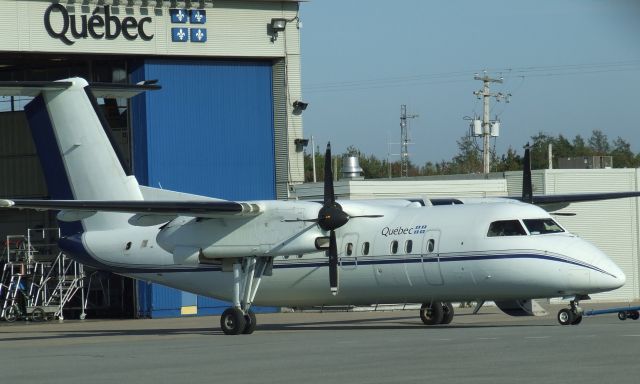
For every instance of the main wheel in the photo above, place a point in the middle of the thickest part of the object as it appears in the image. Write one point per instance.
(431, 313)
(565, 316)
(250, 323)
(622, 315)
(634, 315)
(38, 315)
(576, 320)
(447, 313)
(12, 313)
(232, 321)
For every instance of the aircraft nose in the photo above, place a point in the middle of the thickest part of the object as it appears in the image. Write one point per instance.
(609, 277)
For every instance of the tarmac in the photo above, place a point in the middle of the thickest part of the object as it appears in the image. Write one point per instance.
(315, 347)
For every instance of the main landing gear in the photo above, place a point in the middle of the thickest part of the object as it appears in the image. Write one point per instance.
(573, 314)
(247, 275)
(436, 312)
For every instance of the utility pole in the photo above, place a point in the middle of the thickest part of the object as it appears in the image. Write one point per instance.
(404, 141)
(485, 94)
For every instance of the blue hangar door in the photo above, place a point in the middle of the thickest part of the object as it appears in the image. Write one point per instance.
(208, 131)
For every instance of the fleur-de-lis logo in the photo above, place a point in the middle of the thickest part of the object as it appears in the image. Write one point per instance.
(199, 34)
(181, 34)
(180, 15)
(198, 16)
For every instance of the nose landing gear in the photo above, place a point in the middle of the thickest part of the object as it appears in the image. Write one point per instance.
(572, 315)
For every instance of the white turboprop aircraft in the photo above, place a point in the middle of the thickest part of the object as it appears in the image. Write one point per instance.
(279, 253)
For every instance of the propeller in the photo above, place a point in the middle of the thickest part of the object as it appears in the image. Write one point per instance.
(331, 217)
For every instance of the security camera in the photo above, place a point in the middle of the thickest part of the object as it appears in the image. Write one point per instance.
(300, 105)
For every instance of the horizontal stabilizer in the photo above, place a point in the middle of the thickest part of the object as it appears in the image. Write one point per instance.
(31, 88)
(580, 197)
(102, 90)
(205, 209)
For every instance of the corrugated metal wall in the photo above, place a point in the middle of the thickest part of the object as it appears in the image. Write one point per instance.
(281, 137)
(209, 131)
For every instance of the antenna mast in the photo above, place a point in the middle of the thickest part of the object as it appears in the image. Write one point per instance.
(404, 141)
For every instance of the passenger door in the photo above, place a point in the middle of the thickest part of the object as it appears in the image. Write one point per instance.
(431, 258)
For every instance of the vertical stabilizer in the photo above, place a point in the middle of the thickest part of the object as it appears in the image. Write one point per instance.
(77, 155)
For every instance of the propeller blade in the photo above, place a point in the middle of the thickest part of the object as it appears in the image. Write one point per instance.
(300, 220)
(367, 216)
(329, 197)
(527, 186)
(333, 263)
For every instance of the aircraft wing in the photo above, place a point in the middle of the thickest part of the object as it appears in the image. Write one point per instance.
(147, 212)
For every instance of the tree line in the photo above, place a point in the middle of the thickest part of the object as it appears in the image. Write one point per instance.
(468, 159)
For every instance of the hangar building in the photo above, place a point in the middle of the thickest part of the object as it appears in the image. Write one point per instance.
(230, 76)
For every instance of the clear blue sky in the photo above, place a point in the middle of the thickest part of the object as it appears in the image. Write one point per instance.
(572, 66)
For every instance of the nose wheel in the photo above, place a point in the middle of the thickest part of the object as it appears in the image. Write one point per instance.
(571, 315)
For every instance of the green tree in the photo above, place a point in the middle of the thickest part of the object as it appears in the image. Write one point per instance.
(623, 157)
(598, 143)
(468, 159)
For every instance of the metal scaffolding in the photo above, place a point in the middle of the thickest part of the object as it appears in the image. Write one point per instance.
(38, 280)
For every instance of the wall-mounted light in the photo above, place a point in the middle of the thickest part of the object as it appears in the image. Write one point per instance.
(299, 106)
(277, 25)
(301, 144)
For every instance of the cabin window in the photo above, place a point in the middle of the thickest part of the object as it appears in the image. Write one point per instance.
(542, 226)
(365, 248)
(506, 228)
(408, 246)
(431, 245)
(349, 249)
(394, 246)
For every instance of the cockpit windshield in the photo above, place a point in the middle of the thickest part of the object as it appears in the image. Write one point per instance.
(506, 228)
(542, 226)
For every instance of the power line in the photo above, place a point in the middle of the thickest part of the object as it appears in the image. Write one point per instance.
(460, 76)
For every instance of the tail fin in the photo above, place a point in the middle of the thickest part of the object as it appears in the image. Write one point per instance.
(527, 186)
(73, 142)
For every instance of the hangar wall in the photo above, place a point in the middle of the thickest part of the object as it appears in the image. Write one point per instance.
(223, 125)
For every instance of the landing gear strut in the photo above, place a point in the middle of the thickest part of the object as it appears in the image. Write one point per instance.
(572, 315)
(436, 312)
(247, 275)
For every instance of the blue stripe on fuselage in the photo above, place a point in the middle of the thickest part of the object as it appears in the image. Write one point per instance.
(74, 246)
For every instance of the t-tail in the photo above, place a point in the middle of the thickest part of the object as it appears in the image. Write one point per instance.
(79, 157)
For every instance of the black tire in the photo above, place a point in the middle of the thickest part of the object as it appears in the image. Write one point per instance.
(565, 316)
(38, 315)
(577, 320)
(622, 315)
(250, 323)
(232, 321)
(447, 313)
(634, 315)
(11, 313)
(431, 313)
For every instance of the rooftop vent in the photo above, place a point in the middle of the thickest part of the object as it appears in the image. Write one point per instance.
(351, 169)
